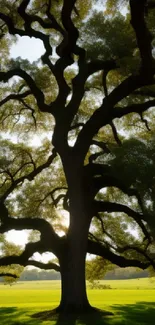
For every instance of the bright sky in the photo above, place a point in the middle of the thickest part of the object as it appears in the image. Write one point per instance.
(28, 48)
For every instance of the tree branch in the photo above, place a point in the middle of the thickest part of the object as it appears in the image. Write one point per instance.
(36, 92)
(49, 238)
(50, 241)
(68, 45)
(44, 266)
(115, 134)
(28, 30)
(106, 113)
(15, 97)
(28, 223)
(53, 20)
(101, 145)
(9, 275)
(134, 108)
(22, 259)
(29, 176)
(144, 37)
(98, 65)
(138, 250)
(106, 206)
(100, 250)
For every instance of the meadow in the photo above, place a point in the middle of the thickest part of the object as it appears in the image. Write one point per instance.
(130, 302)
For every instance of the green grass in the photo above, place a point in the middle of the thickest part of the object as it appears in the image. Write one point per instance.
(131, 301)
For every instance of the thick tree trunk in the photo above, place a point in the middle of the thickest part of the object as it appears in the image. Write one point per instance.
(73, 282)
(72, 261)
(73, 286)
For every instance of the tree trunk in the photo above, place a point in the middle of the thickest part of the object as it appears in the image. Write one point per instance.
(72, 261)
(73, 286)
(73, 282)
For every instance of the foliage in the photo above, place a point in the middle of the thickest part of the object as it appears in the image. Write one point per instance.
(95, 271)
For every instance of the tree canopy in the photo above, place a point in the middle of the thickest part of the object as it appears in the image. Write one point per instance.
(90, 99)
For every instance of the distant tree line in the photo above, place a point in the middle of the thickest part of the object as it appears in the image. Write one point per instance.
(126, 273)
(34, 274)
(115, 274)
(118, 273)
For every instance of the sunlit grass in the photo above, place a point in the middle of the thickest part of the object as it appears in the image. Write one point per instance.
(131, 301)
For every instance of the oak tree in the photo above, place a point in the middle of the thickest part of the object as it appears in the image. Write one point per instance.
(92, 89)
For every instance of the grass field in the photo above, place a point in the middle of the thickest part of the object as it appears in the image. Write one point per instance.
(130, 301)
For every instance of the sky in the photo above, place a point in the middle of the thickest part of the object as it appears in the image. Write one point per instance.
(27, 48)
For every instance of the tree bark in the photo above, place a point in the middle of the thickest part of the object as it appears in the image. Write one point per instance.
(72, 260)
(72, 264)
(73, 285)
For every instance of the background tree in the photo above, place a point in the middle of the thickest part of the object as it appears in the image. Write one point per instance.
(87, 93)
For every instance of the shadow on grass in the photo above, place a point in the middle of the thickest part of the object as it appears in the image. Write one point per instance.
(142, 313)
(16, 316)
(95, 317)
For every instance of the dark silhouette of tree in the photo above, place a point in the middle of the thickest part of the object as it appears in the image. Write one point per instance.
(94, 80)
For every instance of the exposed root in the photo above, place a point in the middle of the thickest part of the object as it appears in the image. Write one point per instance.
(89, 315)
